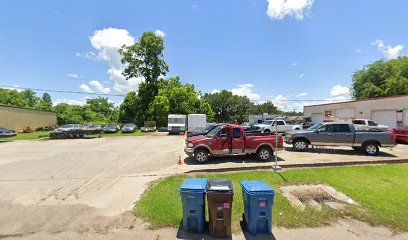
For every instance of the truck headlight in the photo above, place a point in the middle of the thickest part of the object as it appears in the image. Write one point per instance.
(190, 145)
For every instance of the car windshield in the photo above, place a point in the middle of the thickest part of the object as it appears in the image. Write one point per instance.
(111, 125)
(129, 125)
(314, 127)
(68, 126)
(209, 127)
(214, 132)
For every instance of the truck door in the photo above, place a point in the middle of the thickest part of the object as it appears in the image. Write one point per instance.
(323, 136)
(224, 141)
(237, 140)
(343, 135)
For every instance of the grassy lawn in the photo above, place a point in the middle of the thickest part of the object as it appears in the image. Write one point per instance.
(37, 135)
(381, 191)
(28, 136)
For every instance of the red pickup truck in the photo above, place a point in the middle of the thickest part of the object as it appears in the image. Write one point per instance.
(232, 140)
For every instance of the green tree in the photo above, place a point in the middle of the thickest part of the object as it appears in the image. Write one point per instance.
(30, 97)
(45, 103)
(267, 107)
(101, 105)
(381, 78)
(130, 111)
(228, 107)
(12, 97)
(46, 98)
(145, 59)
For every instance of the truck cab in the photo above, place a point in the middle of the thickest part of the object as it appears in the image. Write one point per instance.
(176, 123)
(278, 124)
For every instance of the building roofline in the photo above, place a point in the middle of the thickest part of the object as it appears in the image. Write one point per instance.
(363, 100)
(39, 110)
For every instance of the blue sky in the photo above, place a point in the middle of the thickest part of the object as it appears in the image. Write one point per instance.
(267, 50)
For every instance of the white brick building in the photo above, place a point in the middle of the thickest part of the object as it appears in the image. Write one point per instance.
(391, 111)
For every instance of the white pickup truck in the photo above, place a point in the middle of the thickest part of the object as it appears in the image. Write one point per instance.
(369, 123)
(282, 125)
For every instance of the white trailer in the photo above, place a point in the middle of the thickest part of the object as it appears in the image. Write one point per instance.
(176, 123)
(196, 122)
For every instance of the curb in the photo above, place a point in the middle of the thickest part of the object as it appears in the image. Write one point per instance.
(303, 165)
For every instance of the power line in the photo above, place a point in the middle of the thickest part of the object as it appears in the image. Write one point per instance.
(122, 95)
(63, 91)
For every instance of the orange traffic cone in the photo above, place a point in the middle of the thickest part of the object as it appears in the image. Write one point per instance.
(179, 161)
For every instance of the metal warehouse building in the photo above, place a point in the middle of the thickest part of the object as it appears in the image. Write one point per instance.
(391, 111)
(17, 118)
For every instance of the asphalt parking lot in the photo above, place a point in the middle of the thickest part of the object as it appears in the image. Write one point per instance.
(90, 185)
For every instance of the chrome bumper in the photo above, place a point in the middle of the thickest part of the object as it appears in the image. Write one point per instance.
(189, 151)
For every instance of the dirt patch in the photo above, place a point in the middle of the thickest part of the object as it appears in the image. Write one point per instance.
(315, 196)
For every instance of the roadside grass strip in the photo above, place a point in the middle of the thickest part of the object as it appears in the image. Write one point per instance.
(380, 191)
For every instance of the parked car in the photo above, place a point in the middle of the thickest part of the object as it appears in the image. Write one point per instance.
(129, 128)
(282, 126)
(342, 134)
(401, 134)
(369, 123)
(69, 128)
(248, 127)
(111, 128)
(5, 133)
(227, 140)
(92, 129)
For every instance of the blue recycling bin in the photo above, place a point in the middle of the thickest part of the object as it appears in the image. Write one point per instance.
(192, 193)
(258, 200)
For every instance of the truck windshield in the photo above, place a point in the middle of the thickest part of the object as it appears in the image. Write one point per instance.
(214, 132)
(177, 120)
(269, 122)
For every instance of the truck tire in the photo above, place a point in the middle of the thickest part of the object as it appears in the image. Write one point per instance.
(201, 155)
(371, 149)
(267, 131)
(300, 145)
(264, 154)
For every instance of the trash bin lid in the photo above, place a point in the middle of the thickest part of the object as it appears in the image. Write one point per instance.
(256, 186)
(193, 185)
(221, 185)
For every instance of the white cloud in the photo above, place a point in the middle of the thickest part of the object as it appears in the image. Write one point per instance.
(195, 6)
(94, 86)
(302, 94)
(279, 9)
(73, 75)
(107, 42)
(246, 90)
(301, 76)
(88, 55)
(294, 64)
(159, 33)
(14, 87)
(215, 91)
(389, 51)
(81, 101)
(339, 91)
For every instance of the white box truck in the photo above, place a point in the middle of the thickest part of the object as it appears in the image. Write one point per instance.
(196, 122)
(176, 123)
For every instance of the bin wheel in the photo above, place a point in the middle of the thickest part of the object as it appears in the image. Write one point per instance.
(264, 154)
(201, 155)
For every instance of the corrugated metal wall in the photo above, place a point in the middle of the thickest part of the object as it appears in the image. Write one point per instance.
(19, 118)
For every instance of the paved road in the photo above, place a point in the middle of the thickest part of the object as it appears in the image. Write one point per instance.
(83, 188)
(76, 184)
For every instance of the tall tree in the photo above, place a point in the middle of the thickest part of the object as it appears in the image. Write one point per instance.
(12, 97)
(382, 78)
(46, 98)
(145, 59)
